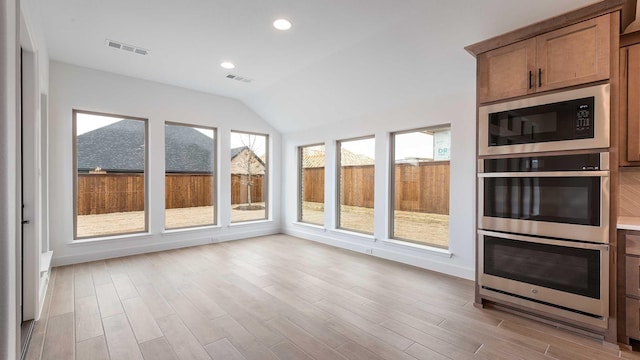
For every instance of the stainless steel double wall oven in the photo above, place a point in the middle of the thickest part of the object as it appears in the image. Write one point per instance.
(543, 203)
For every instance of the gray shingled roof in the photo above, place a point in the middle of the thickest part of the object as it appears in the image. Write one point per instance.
(187, 150)
(120, 147)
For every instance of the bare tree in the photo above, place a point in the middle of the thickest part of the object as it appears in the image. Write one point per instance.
(249, 162)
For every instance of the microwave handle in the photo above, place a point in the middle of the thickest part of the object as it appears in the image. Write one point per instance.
(540, 240)
(601, 173)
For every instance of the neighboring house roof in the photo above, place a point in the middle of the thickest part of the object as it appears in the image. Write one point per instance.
(313, 158)
(187, 150)
(347, 158)
(120, 147)
(240, 161)
(316, 159)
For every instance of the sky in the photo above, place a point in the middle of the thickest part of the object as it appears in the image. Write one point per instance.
(89, 122)
(408, 145)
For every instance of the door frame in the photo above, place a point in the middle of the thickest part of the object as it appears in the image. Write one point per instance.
(29, 174)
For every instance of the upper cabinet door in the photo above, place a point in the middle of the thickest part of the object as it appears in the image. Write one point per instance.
(507, 72)
(574, 55)
(633, 104)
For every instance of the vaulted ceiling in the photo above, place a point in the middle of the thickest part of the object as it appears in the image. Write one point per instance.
(342, 59)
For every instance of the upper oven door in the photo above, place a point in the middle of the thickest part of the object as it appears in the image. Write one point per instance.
(569, 205)
(568, 120)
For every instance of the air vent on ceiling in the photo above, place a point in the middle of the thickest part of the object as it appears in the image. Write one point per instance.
(127, 48)
(239, 78)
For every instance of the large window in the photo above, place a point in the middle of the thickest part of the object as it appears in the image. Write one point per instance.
(420, 186)
(311, 191)
(249, 159)
(110, 166)
(189, 176)
(356, 172)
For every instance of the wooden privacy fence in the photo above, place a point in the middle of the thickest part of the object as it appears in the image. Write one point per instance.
(109, 193)
(124, 192)
(419, 188)
(188, 190)
(239, 189)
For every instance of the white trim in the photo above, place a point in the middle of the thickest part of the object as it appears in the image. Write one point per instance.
(313, 226)
(190, 228)
(90, 241)
(354, 233)
(134, 250)
(418, 247)
(249, 222)
(428, 260)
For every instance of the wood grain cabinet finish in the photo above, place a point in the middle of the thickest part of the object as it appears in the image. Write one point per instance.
(633, 318)
(507, 72)
(574, 55)
(632, 283)
(630, 105)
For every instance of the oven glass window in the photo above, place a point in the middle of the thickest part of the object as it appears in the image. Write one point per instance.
(568, 200)
(567, 120)
(561, 268)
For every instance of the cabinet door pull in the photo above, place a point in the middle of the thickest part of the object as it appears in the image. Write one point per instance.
(530, 79)
(539, 77)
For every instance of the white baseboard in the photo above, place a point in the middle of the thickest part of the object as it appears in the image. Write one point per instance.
(159, 246)
(418, 260)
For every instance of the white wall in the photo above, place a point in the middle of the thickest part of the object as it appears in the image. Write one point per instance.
(9, 320)
(72, 87)
(457, 109)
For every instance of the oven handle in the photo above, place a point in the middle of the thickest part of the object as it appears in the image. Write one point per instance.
(601, 173)
(580, 245)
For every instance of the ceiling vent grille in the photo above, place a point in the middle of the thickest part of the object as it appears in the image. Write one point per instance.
(239, 78)
(128, 48)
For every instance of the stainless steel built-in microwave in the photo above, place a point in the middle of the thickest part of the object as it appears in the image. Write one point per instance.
(568, 120)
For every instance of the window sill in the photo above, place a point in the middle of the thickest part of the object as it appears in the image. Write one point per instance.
(90, 241)
(422, 248)
(306, 224)
(355, 233)
(250, 222)
(192, 228)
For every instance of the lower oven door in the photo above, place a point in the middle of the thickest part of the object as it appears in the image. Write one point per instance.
(566, 275)
(570, 205)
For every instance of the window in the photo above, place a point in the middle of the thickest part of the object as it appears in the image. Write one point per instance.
(420, 186)
(189, 176)
(311, 191)
(249, 160)
(356, 177)
(110, 166)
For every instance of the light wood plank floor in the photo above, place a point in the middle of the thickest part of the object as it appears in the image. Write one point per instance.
(278, 297)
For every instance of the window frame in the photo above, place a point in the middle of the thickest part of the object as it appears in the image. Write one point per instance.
(265, 185)
(74, 122)
(214, 175)
(301, 181)
(338, 192)
(392, 185)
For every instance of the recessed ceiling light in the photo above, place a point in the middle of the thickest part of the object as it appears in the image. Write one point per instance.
(227, 65)
(282, 24)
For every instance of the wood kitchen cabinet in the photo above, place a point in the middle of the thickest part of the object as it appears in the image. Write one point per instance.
(573, 55)
(630, 105)
(632, 282)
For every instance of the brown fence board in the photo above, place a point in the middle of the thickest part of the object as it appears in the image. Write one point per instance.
(124, 192)
(239, 189)
(419, 188)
